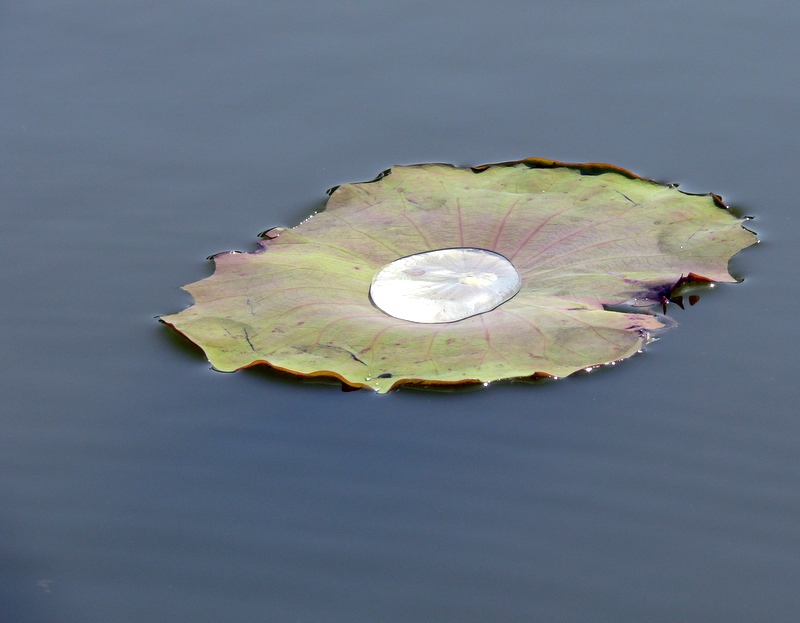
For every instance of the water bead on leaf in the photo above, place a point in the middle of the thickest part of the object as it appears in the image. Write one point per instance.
(445, 285)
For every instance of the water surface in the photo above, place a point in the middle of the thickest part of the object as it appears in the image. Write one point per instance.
(138, 485)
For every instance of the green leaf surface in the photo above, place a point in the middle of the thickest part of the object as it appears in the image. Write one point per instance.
(582, 237)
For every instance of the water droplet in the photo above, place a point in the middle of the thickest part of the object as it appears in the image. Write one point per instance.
(445, 285)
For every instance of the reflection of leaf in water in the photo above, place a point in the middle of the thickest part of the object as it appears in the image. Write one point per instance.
(583, 238)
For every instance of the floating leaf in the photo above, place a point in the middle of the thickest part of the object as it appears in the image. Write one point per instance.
(581, 238)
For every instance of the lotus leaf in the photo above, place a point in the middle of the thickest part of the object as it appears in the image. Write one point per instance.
(583, 238)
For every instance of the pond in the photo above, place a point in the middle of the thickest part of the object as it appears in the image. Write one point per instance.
(139, 485)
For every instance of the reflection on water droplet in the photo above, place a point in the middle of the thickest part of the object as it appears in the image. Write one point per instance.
(477, 279)
(445, 285)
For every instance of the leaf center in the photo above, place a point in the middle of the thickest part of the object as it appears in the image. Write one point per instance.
(445, 285)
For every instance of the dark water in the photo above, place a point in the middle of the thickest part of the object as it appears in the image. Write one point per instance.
(138, 485)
